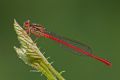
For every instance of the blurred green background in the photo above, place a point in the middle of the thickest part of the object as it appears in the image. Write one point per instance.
(94, 22)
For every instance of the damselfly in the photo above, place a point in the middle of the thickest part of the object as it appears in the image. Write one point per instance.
(40, 31)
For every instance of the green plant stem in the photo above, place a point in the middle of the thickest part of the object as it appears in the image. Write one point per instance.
(31, 55)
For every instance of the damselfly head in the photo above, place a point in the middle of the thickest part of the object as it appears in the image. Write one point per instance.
(27, 23)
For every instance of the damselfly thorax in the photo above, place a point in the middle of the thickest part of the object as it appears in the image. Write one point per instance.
(36, 29)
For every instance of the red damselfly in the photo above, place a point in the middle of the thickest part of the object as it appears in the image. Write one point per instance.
(40, 31)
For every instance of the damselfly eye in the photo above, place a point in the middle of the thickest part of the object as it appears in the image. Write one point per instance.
(27, 23)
